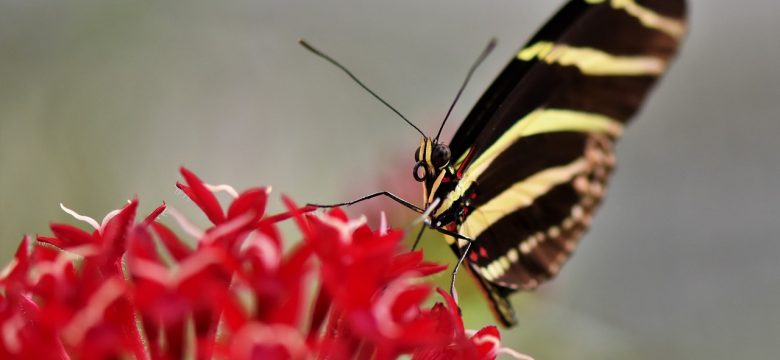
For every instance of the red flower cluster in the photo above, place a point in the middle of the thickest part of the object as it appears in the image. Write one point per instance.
(133, 288)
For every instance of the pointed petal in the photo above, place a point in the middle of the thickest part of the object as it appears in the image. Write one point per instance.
(70, 236)
(154, 214)
(117, 229)
(252, 200)
(202, 196)
(177, 248)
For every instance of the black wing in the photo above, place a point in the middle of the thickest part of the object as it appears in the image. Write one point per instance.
(497, 93)
(539, 141)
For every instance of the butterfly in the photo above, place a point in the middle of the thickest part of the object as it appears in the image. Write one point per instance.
(521, 179)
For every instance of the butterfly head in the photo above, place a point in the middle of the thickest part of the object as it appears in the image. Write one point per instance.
(432, 160)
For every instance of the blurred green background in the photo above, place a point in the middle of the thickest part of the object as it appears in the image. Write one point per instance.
(103, 100)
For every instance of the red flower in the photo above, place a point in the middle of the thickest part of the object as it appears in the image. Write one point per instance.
(483, 345)
(375, 298)
(133, 288)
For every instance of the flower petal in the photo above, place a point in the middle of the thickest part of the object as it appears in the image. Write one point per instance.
(117, 229)
(252, 200)
(70, 236)
(177, 248)
(154, 214)
(488, 342)
(201, 196)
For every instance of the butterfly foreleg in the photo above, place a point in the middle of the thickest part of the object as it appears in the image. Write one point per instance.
(419, 236)
(370, 196)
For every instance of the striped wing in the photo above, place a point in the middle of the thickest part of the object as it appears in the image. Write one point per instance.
(539, 142)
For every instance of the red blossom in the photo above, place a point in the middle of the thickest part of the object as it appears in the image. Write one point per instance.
(483, 345)
(134, 288)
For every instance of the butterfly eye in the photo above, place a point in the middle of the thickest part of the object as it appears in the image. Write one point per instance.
(420, 171)
(440, 156)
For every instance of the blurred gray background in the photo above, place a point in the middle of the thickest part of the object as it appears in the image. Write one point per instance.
(103, 100)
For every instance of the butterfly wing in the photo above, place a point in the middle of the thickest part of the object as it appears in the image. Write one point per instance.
(507, 80)
(536, 150)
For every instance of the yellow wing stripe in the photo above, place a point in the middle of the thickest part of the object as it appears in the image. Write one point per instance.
(537, 122)
(520, 195)
(544, 121)
(649, 18)
(592, 61)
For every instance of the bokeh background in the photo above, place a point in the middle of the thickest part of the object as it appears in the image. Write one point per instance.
(103, 100)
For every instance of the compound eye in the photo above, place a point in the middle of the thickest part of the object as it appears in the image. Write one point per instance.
(440, 156)
(420, 171)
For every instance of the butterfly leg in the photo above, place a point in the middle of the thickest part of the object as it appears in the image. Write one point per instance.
(462, 256)
(370, 196)
(419, 236)
(454, 234)
(455, 271)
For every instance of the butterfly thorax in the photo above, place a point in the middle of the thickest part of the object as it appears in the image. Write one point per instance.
(439, 179)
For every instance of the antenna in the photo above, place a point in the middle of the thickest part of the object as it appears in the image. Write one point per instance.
(336, 63)
(490, 46)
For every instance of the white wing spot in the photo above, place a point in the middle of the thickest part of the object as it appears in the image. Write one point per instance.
(554, 232)
(504, 262)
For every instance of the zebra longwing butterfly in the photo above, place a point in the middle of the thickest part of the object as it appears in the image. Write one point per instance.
(523, 175)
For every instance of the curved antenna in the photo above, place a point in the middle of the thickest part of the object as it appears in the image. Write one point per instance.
(336, 63)
(490, 46)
